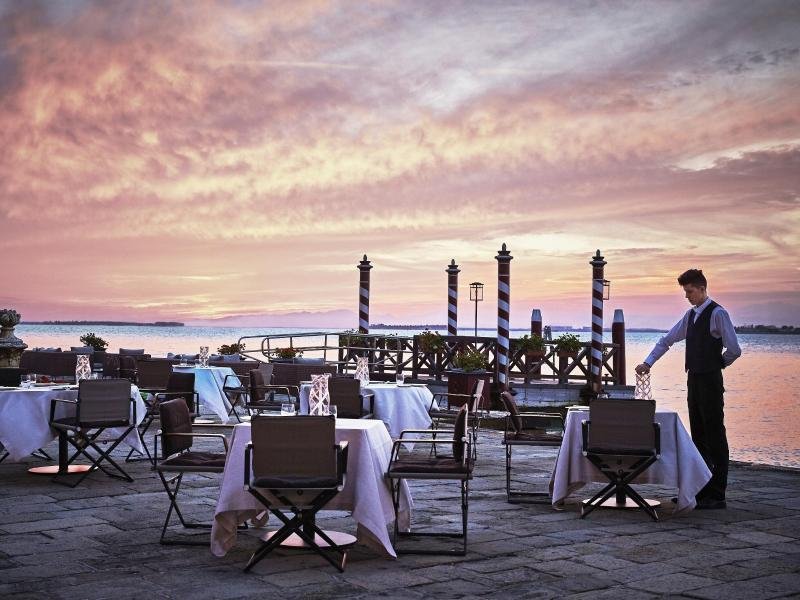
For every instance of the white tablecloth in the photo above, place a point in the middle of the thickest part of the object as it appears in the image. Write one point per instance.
(208, 382)
(680, 465)
(366, 492)
(25, 419)
(400, 407)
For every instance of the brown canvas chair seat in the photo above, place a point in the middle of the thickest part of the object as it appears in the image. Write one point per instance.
(179, 385)
(456, 467)
(177, 458)
(528, 429)
(207, 462)
(101, 404)
(346, 395)
(622, 439)
(294, 465)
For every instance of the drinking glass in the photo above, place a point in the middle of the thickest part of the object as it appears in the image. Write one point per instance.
(30, 380)
(400, 378)
(287, 409)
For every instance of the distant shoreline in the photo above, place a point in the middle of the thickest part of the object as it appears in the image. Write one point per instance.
(111, 323)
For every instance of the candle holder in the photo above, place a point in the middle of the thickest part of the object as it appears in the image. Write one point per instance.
(643, 391)
(362, 370)
(319, 399)
(83, 368)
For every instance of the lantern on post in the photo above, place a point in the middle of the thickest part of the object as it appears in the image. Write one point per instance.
(476, 295)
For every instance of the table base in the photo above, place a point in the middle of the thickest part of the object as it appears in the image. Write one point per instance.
(295, 541)
(612, 503)
(53, 469)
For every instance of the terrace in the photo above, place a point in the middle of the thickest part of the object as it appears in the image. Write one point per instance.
(100, 540)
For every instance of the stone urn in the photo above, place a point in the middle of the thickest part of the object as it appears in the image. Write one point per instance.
(11, 347)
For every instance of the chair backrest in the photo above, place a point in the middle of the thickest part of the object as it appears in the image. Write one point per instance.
(345, 394)
(131, 352)
(175, 418)
(181, 383)
(266, 372)
(513, 410)
(56, 364)
(460, 433)
(104, 402)
(293, 374)
(477, 396)
(10, 376)
(153, 373)
(618, 424)
(300, 447)
(256, 381)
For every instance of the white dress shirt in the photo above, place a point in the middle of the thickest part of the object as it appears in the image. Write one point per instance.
(721, 327)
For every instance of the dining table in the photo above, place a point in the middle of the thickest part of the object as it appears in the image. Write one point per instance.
(209, 383)
(399, 406)
(679, 466)
(25, 417)
(366, 494)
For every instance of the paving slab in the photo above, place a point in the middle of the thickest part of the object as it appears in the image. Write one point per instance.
(100, 540)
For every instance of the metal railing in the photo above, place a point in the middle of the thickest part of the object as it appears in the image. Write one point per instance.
(389, 354)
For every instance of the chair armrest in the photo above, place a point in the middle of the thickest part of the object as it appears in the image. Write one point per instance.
(248, 451)
(161, 434)
(657, 436)
(284, 388)
(53, 406)
(341, 460)
(447, 396)
(239, 377)
(371, 397)
(160, 397)
(585, 434)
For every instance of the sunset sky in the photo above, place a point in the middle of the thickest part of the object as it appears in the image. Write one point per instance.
(231, 162)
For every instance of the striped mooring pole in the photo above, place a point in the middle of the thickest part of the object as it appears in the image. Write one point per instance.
(596, 362)
(363, 295)
(618, 338)
(536, 329)
(452, 297)
(503, 314)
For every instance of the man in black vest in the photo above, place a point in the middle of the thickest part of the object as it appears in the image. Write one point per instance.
(707, 329)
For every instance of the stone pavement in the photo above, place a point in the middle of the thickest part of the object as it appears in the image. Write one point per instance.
(100, 540)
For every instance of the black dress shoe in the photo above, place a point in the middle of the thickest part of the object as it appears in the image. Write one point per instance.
(709, 504)
(674, 499)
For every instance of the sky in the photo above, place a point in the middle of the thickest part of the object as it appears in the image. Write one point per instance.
(231, 162)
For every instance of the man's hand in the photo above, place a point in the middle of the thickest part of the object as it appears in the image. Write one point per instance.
(642, 368)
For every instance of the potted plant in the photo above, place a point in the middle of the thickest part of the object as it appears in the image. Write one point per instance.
(568, 344)
(532, 346)
(470, 360)
(352, 339)
(96, 342)
(285, 354)
(430, 342)
(230, 352)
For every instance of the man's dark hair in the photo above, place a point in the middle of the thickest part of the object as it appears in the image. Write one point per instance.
(693, 277)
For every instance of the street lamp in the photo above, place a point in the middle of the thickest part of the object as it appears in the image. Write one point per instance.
(476, 295)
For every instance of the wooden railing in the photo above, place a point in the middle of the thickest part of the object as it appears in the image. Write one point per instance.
(389, 354)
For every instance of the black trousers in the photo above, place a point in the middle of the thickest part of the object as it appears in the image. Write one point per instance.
(707, 423)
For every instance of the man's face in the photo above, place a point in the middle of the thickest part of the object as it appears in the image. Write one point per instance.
(696, 295)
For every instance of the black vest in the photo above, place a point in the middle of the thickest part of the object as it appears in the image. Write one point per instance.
(703, 351)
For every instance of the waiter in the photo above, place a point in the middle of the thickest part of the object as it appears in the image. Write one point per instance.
(708, 330)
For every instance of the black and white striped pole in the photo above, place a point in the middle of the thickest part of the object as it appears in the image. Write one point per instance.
(363, 295)
(599, 289)
(452, 297)
(503, 314)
